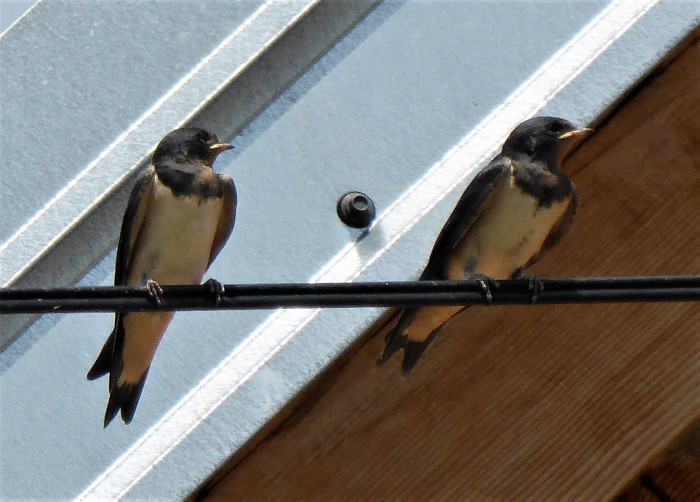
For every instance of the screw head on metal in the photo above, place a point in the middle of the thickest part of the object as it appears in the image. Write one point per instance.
(356, 209)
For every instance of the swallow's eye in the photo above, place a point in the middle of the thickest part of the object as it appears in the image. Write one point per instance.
(204, 137)
(555, 127)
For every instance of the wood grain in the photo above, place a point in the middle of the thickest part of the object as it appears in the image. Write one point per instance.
(529, 403)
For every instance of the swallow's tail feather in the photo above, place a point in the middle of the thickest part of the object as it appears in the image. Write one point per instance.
(103, 363)
(412, 351)
(124, 396)
(393, 342)
(395, 339)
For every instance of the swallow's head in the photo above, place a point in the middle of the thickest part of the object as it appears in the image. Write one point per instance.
(189, 145)
(541, 137)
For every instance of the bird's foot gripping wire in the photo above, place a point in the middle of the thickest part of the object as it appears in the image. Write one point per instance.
(535, 286)
(216, 289)
(486, 284)
(155, 292)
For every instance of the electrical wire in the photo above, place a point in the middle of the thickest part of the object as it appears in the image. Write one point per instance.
(358, 294)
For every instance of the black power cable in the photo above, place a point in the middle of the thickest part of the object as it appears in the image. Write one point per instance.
(359, 294)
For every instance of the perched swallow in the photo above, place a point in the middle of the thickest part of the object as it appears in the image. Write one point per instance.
(179, 216)
(518, 206)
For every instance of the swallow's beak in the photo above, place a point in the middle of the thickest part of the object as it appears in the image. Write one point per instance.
(576, 132)
(220, 147)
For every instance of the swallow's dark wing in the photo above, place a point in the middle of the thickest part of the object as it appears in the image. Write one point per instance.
(226, 219)
(463, 216)
(134, 216)
(131, 226)
(467, 210)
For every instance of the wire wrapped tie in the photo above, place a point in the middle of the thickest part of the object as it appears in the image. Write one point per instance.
(358, 294)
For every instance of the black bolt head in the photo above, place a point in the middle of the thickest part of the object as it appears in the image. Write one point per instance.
(356, 210)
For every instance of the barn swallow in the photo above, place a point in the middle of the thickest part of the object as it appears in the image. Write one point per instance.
(179, 216)
(518, 206)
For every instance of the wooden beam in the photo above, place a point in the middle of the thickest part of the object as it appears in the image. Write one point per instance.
(540, 403)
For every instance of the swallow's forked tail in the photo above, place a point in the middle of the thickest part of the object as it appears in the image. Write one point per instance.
(396, 340)
(123, 396)
(413, 350)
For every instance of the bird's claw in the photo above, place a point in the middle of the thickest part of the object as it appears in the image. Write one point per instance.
(486, 291)
(486, 284)
(155, 292)
(217, 290)
(535, 286)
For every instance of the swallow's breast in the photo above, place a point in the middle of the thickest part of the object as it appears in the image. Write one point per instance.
(509, 231)
(176, 239)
